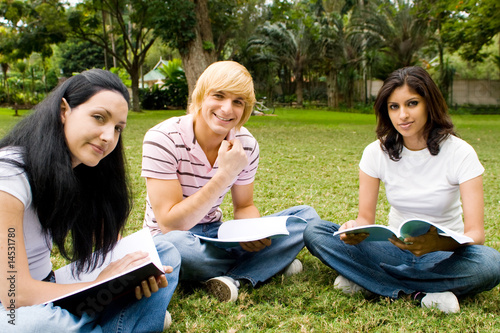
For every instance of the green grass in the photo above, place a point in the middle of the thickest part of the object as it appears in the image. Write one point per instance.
(311, 157)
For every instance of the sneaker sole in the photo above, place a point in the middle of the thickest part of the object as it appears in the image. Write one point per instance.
(224, 292)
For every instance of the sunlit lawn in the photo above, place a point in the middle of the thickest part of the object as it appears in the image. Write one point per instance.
(311, 157)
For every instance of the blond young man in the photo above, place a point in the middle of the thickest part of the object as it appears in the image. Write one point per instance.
(191, 162)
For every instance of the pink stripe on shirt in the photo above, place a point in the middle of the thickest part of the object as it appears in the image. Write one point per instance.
(170, 151)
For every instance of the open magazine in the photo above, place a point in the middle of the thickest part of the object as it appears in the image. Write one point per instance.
(409, 228)
(95, 297)
(231, 233)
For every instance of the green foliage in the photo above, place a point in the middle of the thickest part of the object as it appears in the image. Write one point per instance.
(153, 99)
(472, 25)
(76, 56)
(175, 22)
(208, 46)
(396, 31)
(31, 26)
(172, 94)
(122, 74)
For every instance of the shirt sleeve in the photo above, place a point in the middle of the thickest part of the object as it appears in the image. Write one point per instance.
(467, 163)
(13, 180)
(158, 156)
(369, 162)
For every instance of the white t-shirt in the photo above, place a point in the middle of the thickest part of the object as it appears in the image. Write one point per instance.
(14, 181)
(420, 185)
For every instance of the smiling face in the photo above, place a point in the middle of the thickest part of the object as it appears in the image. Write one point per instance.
(408, 113)
(220, 112)
(92, 129)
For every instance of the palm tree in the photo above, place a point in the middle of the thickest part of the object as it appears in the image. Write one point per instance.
(341, 52)
(394, 30)
(291, 49)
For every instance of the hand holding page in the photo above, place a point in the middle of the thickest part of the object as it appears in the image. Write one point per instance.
(231, 233)
(93, 298)
(409, 228)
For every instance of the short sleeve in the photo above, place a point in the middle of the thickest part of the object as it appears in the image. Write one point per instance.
(13, 180)
(467, 163)
(158, 156)
(369, 162)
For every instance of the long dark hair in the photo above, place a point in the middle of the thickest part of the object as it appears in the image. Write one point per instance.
(91, 204)
(439, 124)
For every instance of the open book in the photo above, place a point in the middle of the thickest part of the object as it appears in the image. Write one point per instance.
(95, 297)
(409, 228)
(231, 233)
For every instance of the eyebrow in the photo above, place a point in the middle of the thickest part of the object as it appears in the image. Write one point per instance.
(223, 92)
(418, 97)
(111, 116)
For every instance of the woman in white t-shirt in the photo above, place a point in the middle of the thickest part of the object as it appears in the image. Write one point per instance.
(62, 175)
(426, 170)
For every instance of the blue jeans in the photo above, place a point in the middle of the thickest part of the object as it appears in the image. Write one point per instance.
(202, 260)
(126, 314)
(386, 270)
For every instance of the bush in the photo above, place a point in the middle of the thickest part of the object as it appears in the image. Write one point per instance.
(171, 95)
(153, 99)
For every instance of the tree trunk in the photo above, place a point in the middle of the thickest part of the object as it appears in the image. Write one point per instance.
(331, 89)
(5, 68)
(299, 85)
(200, 51)
(299, 90)
(134, 76)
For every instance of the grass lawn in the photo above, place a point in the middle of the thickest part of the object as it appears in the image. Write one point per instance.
(311, 157)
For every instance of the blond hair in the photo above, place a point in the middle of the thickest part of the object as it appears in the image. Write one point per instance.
(228, 76)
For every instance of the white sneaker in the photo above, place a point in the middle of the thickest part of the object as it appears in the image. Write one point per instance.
(294, 268)
(168, 321)
(445, 301)
(347, 286)
(224, 288)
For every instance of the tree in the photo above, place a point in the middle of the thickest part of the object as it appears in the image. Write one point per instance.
(206, 31)
(75, 56)
(131, 28)
(292, 48)
(473, 24)
(186, 26)
(393, 29)
(27, 27)
(32, 27)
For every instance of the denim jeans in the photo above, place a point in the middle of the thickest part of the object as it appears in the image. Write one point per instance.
(126, 314)
(202, 260)
(386, 270)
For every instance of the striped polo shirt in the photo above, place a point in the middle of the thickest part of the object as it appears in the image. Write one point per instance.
(170, 151)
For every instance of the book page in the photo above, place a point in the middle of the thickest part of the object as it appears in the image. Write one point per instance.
(414, 227)
(376, 232)
(138, 241)
(247, 230)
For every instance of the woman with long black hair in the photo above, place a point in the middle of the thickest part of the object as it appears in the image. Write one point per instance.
(63, 181)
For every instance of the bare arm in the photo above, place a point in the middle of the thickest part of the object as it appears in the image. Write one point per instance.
(244, 208)
(368, 196)
(243, 205)
(14, 267)
(175, 213)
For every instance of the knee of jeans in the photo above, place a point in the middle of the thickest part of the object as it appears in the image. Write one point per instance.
(50, 318)
(177, 237)
(307, 213)
(318, 232)
(312, 233)
(168, 253)
(490, 264)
